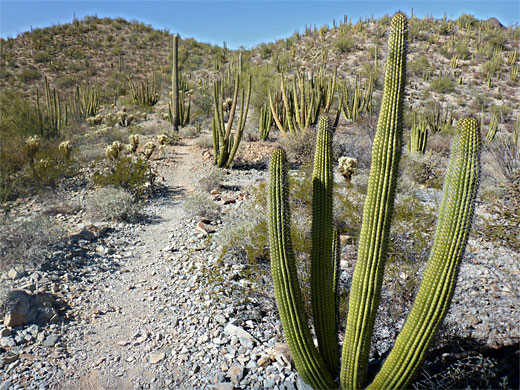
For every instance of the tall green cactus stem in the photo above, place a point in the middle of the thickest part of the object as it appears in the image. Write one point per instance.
(53, 103)
(265, 120)
(440, 276)
(323, 298)
(377, 213)
(224, 145)
(175, 84)
(418, 134)
(308, 361)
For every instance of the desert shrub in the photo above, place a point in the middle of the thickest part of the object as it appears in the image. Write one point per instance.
(300, 146)
(419, 65)
(213, 180)
(201, 204)
(41, 57)
(22, 170)
(189, 131)
(204, 141)
(492, 66)
(344, 44)
(114, 204)
(424, 169)
(442, 85)
(132, 174)
(25, 241)
(28, 74)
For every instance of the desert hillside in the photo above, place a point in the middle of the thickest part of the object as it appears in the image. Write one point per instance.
(136, 256)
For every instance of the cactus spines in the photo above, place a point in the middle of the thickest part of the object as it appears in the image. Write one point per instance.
(322, 263)
(308, 361)
(440, 276)
(175, 84)
(377, 212)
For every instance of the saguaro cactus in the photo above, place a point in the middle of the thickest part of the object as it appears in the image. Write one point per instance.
(319, 368)
(175, 84)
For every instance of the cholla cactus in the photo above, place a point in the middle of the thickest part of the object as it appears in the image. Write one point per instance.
(133, 142)
(33, 143)
(65, 149)
(162, 139)
(347, 166)
(44, 163)
(114, 151)
(149, 149)
(226, 106)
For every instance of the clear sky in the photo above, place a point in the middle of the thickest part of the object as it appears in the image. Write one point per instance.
(238, 23)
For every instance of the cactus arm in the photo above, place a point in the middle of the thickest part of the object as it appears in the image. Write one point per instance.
(275, 116)
(440, 276)
(288, 110)
(377, 213)
(229, 124)
(322, 262)
(308, 361)
(241, 124)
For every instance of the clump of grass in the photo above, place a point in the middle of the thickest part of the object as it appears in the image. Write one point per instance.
(25, 241)
(201, 204)
(114, 204)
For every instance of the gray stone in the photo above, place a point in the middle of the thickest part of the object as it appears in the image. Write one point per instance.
(224, 386)
(51, 340)
(243, 336)
(5, 332)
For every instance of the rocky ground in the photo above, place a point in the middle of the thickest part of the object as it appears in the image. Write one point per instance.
(150, 305)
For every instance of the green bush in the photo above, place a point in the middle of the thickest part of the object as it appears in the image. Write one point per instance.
(114, 204)
(28, 74)
(442, 85)
(344, 44)
(41, 57)
(22, 170)
(131, 174)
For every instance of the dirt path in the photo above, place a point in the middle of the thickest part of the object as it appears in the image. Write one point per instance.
(120, 339)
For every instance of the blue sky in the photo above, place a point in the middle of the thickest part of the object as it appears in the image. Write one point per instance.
(238, 23)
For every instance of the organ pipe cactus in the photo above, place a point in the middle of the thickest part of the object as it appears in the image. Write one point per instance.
(265, 120)
(319, 366)
(225, 145)
(418, 134)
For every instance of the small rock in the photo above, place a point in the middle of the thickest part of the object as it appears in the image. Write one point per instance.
(5, 332)
(236, 373)
(244, 337)
(13, 274)
(224, 386)
(157, 357)
(51, 340)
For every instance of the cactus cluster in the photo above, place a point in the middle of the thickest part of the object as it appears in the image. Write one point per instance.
(302, 100)
(144, 93)
(225, 145)
(418, 134)
(356, 101)
(84, 103)
(320, 366)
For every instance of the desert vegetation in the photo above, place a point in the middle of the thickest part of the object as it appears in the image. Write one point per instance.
(137, 183)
